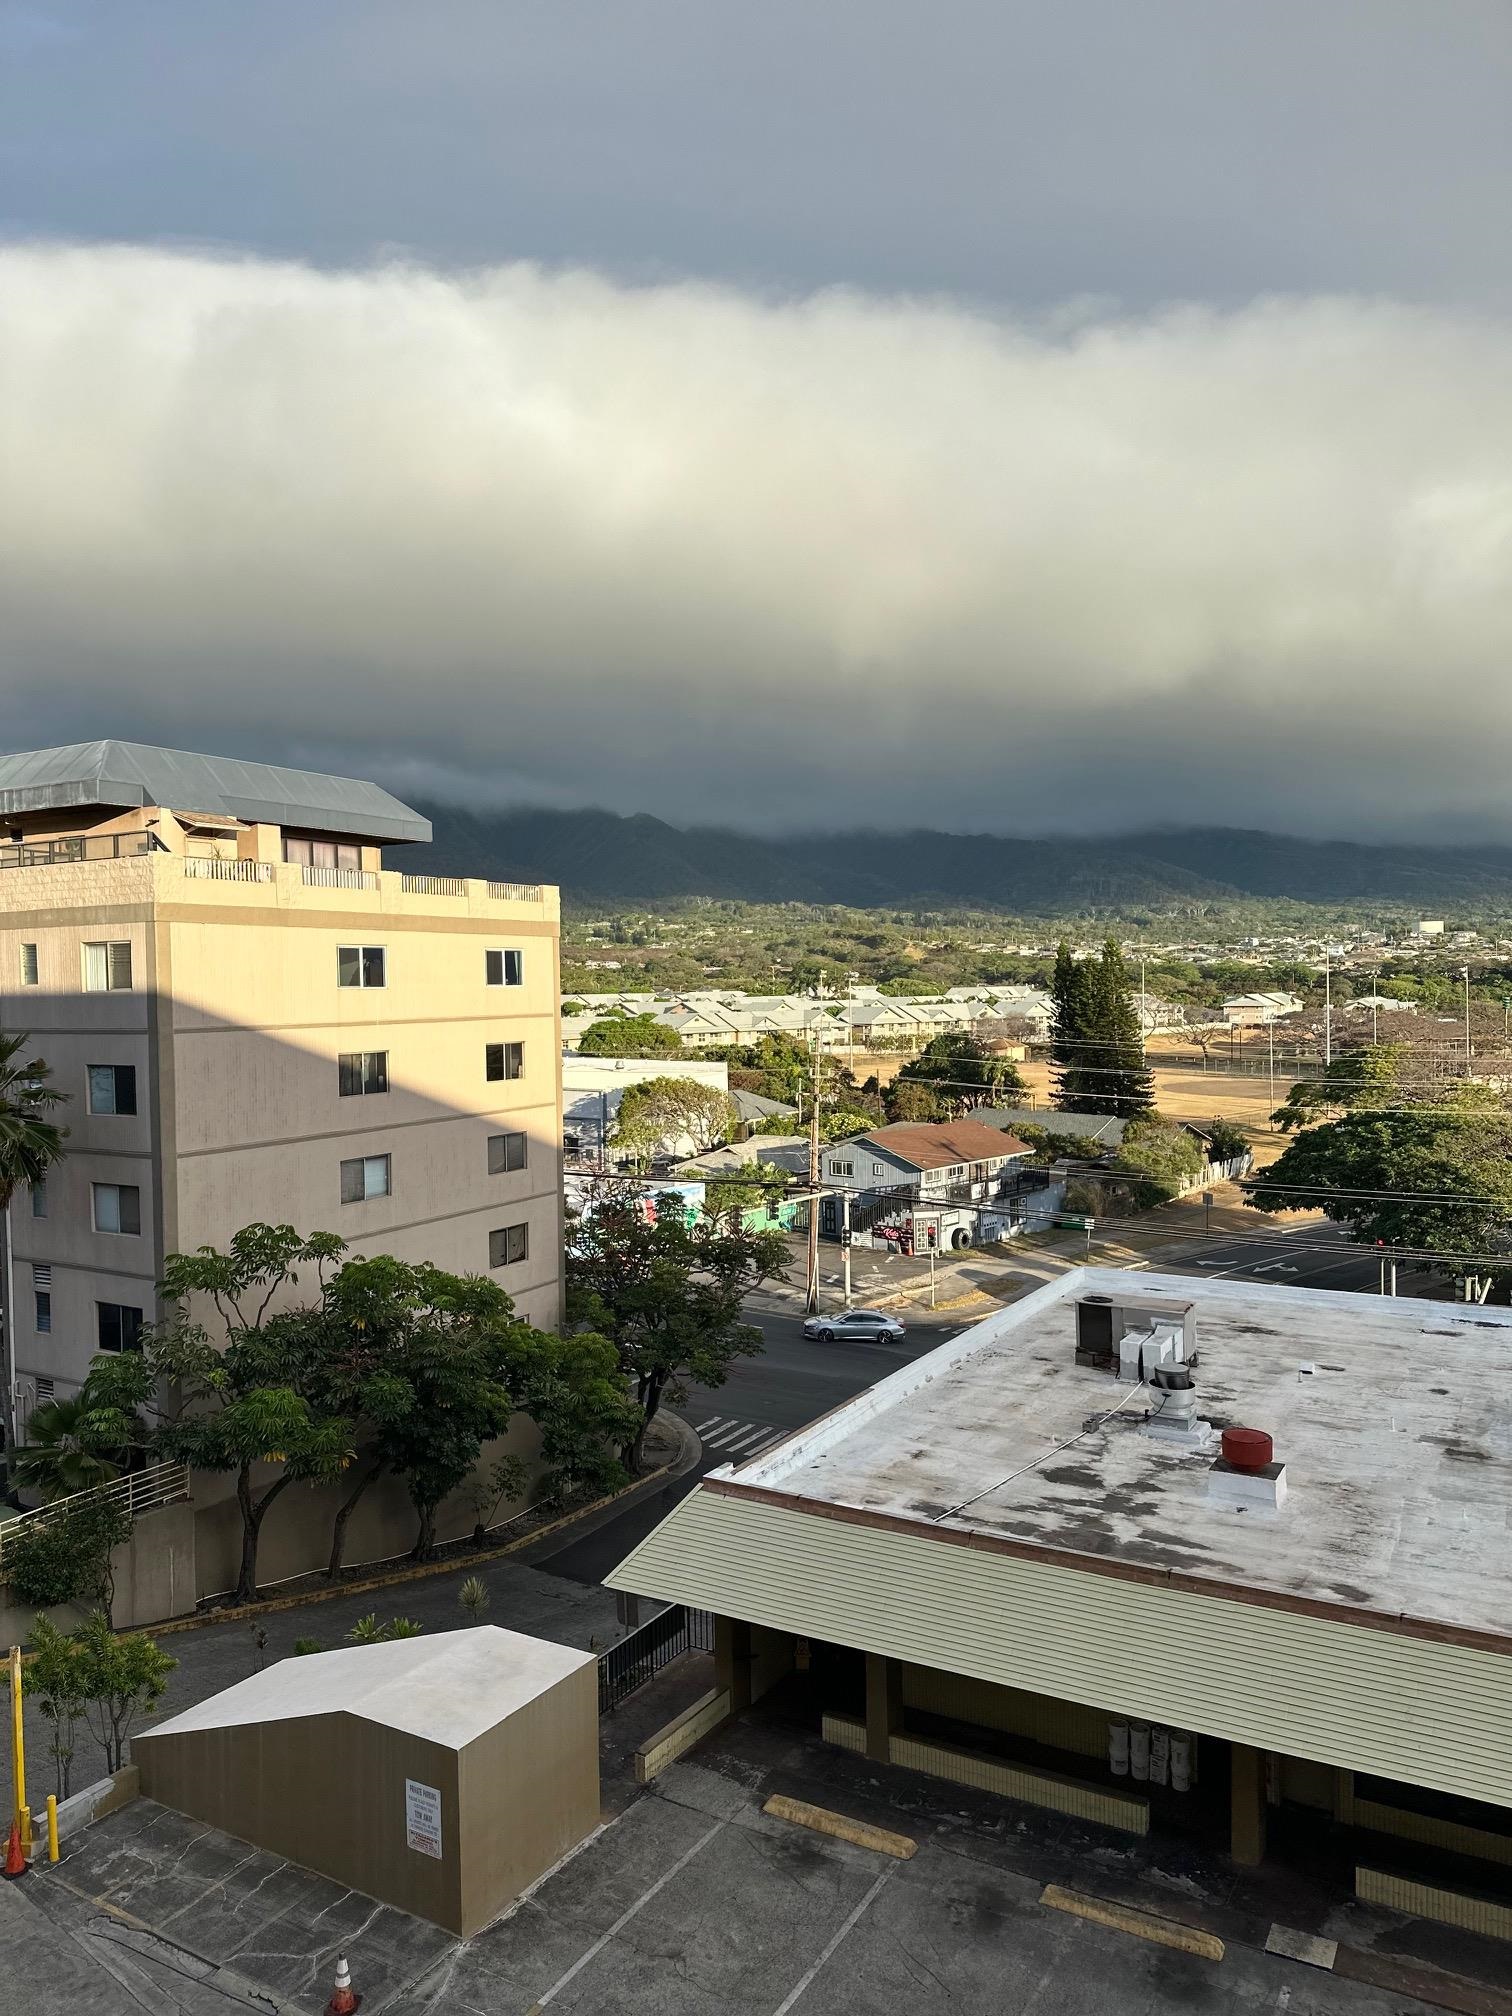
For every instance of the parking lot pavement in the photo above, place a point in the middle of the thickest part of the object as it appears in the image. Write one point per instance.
(693, 1902)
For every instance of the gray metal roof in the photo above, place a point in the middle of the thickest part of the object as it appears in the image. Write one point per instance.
(121, 774)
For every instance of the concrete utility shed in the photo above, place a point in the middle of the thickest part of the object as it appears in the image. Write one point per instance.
(442, 1775)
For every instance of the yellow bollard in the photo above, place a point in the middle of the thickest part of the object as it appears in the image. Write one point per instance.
(52, 1826)
(26, 1832)
(18, 1742)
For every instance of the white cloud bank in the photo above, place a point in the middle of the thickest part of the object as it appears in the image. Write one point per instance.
(813, 563)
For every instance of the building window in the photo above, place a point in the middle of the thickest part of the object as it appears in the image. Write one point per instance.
(505, 1060)
(112, 1088)
(39, 1198)
(363, 1071)
(365, 1176)
(117, 1207)
(107, 967)
(28, 965)
(505, 1152)
(504, 969)
(322, 853)
(361, 966)
(43, 1299)
(508, 1246)
(842, 1168)
(120, 1326)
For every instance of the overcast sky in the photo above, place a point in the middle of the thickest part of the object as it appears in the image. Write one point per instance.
(983, 415)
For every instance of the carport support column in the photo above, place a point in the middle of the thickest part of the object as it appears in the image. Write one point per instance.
(884, 1706)
(1247, 1803)
(732, 1660)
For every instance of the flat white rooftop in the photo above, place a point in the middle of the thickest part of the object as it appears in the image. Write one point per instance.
(1397, 1447)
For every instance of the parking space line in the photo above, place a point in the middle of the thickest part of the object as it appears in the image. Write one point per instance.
(849, 1925)
(625, 1916)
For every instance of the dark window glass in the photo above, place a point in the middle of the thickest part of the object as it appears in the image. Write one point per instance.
(112, 1088)
(365, 1176)
(28, 965)
(120, 1326)
(505, 1152)
(374, 969)
(362, 1071)
(349, 965)
(44, 1309)
(39, 1199)
(507, 1246)
(504, 969)
(117, 1207)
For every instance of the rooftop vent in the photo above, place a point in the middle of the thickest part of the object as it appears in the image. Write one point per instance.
(1173, 1409)
(1246, 1475)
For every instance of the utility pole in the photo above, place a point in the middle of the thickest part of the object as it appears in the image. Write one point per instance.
(811, 1300)
(1327, 1007)
(1375, 1006)
(1468, 1052)
(845, 1241)
(1270, 1030)
(1144, 1012)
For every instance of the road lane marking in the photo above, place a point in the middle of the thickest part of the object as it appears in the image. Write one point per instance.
(829, 1951)
(704, 1426)
(756, 1435)
(625, 1916)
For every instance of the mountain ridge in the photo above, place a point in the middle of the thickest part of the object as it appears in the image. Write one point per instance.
(626, 859)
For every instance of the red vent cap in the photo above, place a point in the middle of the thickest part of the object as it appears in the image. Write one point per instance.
(1247, 1448)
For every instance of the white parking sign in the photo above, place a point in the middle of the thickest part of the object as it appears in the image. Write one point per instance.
(422, 1818)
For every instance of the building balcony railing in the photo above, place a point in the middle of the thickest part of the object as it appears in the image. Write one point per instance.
(433, 885)
(515, 892)
(78, 847)
(206, 869)
(340, 878)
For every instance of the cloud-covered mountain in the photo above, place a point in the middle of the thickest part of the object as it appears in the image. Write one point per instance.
(598, 857)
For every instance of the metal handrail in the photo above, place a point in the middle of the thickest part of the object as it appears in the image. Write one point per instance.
(76, 847)
(209, 868)
(433, 885)
(137, 1492)
(340, 878)
(515, 892)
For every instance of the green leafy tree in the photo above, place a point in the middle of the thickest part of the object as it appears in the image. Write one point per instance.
(86, 1438)
(30, 1143)
(667, 1294)
(963, 1073)
(120, 1679)
(1164, 1157)
(1226, 1140)
(657, 1117)
(629, 1036)
(65, 1557)
(264, 1398)
(1356, 1081)
(907, 1099)
(1433, 1179)
(54, 1675)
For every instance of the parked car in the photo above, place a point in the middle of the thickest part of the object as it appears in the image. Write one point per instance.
(859, 1326)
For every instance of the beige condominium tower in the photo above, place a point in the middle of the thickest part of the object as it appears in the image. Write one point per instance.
(254, 1019)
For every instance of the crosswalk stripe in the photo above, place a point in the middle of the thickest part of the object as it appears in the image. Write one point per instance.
(725, 1435)
(755, 1435)
(704, 1426)
(767, 1442)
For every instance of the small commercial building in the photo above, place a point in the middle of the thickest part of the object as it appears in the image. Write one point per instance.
(1025, 1562)
(922, 1186)
(442, 1775)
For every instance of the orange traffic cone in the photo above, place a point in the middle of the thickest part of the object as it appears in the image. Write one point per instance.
(15, 1861)
(342, 2001)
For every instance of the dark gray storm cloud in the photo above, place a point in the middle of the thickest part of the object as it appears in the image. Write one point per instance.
(812, 561)
(988, 415)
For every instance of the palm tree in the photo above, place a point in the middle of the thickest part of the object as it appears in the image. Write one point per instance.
(63, 1454)
(30, 1144)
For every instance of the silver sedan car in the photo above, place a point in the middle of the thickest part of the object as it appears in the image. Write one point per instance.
(860, 1326)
